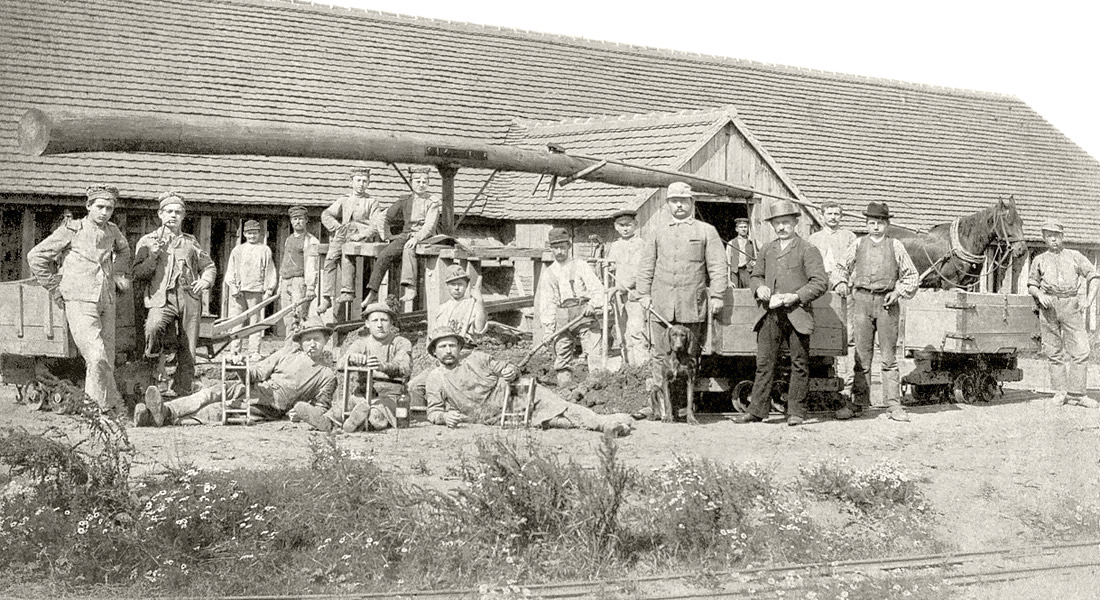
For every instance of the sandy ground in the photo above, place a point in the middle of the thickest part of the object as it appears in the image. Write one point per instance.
(985, 466)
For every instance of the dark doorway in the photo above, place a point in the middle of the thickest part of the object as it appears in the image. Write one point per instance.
(721, 214)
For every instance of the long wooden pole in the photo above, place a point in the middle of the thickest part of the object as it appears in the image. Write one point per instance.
(103, 131)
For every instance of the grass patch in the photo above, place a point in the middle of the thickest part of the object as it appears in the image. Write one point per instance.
(74, 519)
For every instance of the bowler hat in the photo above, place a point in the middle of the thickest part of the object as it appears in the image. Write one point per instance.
(442, 333)
(378, 307)
(252, 225)
(456, 272)
(877, 210)
(297, 211)
(169, 198)
(679, 189)
(310, 327)
(780, 208)
(559, 235)
(1052, 226)
(626, 212)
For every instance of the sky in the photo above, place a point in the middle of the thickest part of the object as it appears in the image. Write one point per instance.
(1045, 52)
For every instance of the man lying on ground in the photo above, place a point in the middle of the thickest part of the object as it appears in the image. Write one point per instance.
(389, 356)
(474, 388)
(298, 373)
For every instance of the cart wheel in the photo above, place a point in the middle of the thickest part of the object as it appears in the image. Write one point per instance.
(36, 396)
(779, 403)
(19, 394)
(961, 389)
(741, 396)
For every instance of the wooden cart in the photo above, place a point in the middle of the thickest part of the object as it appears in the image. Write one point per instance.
(964, 345)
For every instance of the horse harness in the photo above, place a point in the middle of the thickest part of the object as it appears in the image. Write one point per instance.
(1001, 254)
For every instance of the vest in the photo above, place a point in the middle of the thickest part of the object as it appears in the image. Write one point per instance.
(876, 267)
(294, 261)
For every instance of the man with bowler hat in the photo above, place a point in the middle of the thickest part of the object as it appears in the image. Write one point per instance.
(878, 272)
(788, 277)
(178, 272)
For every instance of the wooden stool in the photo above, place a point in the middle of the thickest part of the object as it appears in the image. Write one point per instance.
(510, 416)
(236, 413)
(345, 410)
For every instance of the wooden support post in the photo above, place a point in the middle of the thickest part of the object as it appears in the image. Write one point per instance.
(205, 235)
(447, 214)
(282, 232)
(29, 230)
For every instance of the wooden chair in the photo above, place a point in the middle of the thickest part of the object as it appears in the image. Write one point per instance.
(345, 398)
(511, 416)
(236, 414)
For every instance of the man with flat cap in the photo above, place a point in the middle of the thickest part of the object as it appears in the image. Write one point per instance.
(568, 289)
(625, 254)
(878, 272)
(178, 271)
(788, 277)
(683, 273)
(250, 277)
(357, 217)
(83, 263)
(741, 254)
(1055, 281)
(298, 277)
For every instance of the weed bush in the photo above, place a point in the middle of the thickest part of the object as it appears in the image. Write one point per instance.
(882, 486)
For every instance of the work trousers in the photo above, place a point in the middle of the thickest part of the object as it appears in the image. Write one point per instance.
(635, 348)
(383, 405)
(1066, 344)
(177, 320)
(591, 338)
(775, 328)
(384, 262)
(204, 407)
(239, 304)
(92, 325)
(292, 290)
(739, 278)
(869, 317)
(348, 232)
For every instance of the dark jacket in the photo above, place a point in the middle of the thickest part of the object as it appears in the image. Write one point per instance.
(799, 270)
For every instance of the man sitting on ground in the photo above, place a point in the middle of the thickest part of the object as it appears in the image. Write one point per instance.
(297, 373)
(474, 388)
(389, 356)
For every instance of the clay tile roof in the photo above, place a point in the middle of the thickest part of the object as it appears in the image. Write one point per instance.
(932, 151)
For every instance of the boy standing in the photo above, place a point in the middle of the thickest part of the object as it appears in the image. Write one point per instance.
(1054, 281)
(625, 254)
(878, 272)
(787, 278)
(299, 277)
(741, 255)
(250, 277)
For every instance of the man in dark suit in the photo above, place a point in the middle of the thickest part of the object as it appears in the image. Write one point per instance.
(789, 275)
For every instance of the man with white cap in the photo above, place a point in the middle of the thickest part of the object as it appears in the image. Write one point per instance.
(569, 288)
(1055, 282)
(297, 276)
(474, 387)
(787, 278)
(178, 272)
(683, 272)
(250, 278)
(83, 263)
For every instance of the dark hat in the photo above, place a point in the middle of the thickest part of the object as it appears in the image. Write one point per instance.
(310, 327)
(780, 208)
(102, 192)
(558, 235)
(877, 210)
(441, 333)
(740, 220)
(170, 198)
(378, 307)
(252, 225)
(626, 212)
(456, 272)
(297, 211)
(360, 170)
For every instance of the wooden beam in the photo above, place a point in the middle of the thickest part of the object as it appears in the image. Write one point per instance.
(447, 214)
(206, 226)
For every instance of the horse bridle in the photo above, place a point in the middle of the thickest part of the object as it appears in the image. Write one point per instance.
(1002, 252)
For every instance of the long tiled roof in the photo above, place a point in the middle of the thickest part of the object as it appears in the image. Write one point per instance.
(930, 151)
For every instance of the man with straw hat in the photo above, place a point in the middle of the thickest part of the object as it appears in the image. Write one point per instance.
(787, 278)
(298, 375)
(1055, 281)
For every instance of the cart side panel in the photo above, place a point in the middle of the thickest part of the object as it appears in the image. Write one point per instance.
(31, 323)
(970, 322)
(734, 334)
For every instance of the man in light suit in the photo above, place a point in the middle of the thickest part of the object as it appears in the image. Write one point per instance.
(789, 275)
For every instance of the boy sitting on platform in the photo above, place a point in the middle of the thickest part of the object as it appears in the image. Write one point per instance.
(419, 213)
(389, 356)
(296, 375)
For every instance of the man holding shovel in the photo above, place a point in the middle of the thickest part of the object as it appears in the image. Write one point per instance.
(570, 288)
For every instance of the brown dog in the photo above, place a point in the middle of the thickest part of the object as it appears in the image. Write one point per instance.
(676, 366)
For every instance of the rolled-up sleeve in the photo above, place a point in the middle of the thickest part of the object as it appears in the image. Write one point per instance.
(908, 277)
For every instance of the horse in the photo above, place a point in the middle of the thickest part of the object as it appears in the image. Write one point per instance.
(951, 255)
